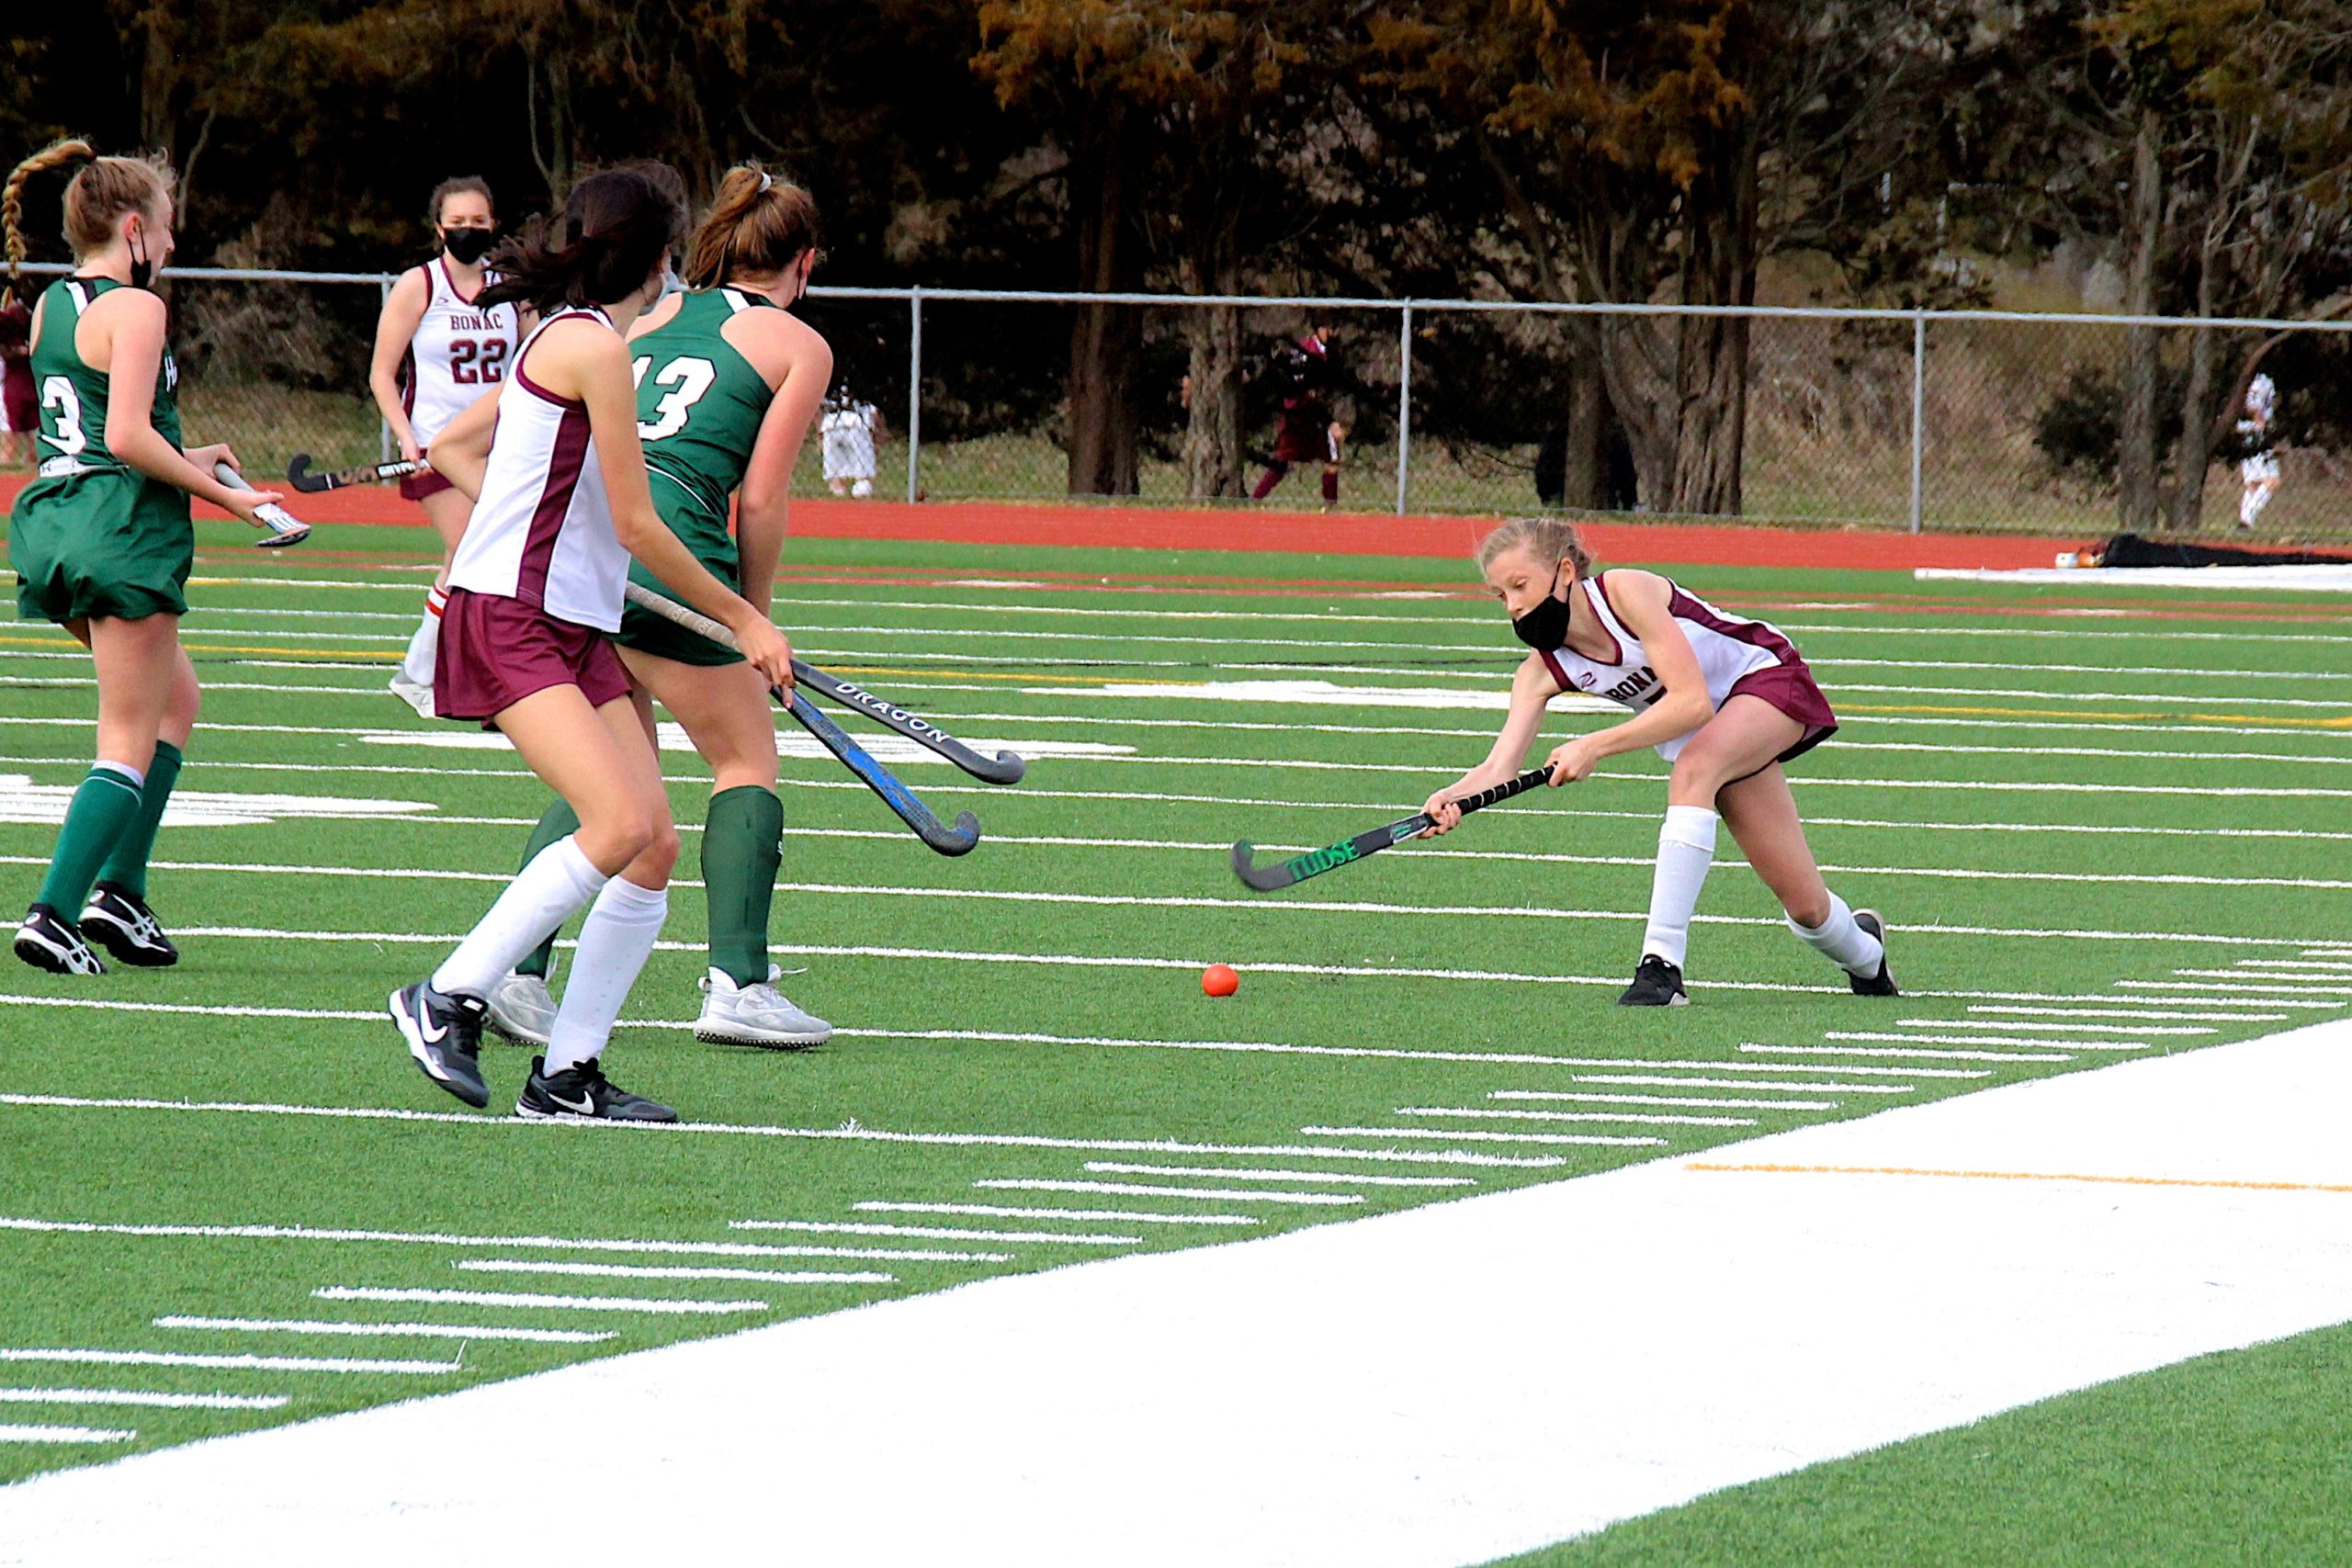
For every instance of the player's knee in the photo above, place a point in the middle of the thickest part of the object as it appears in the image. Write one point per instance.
(658, 858)
(1696, 777)
(1809, 910)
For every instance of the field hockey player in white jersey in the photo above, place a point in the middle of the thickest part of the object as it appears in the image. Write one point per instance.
(1725, 700)
(439, 347)
(560, 503)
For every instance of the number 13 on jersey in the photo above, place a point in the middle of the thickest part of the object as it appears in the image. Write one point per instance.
(688, 379)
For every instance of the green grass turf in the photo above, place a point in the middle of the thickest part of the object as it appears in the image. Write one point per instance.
(1131, 1050)
(2235, 1458)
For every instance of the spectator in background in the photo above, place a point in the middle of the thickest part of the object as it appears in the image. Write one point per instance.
(20, 409)
(849, 429)
(2258, 470)
(1304, 372)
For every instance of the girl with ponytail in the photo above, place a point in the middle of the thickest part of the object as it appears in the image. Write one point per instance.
(727, 386)
(556, 474)
(101, 542)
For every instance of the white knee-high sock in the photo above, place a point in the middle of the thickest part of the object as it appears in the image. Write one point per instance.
(424, 646)
(543, 895)
(1841, 940)
(615, 941)
(1686, 848)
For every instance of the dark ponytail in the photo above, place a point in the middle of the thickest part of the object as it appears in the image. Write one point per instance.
(605, 244)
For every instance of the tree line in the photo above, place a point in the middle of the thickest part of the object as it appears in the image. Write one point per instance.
(1665, 151)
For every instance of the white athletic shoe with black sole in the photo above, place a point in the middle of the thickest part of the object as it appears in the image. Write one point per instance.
(119, 921)
(1880, 984)
(522, 1010)
(47, 943)
(415, 694)
(757, 1014)
(583, 1094)
(444, 1033)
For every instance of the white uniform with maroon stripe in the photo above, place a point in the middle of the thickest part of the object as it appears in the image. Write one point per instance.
(542, 528)
(1730, 649)
(460, 350)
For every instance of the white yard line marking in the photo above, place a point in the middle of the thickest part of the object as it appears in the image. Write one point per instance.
(143, 1397)
(2327, 966)
(1146, 1189)
(14, 1433)
(2212, 993)
(384, 1330)
(1113, 1216)
(1662, 1081)
(1989, 1039)
(1573, 1098)
(943, 1232)
(2020, 1026)
(654, 1305)
(1606, 1118)
(226, 1363)
(659, 1271)
(1111, 1167)
(525, 1243)
(1476, 1136)
(1931, 1055)
(2326, 991)
(2121, 1013)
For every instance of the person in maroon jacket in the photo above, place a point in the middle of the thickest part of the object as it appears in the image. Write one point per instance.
(1308, 432)
(19, 409)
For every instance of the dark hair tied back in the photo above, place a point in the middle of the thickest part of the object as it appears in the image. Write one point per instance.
(603, 245)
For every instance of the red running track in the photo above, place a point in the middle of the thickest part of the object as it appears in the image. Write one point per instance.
(1310, 533)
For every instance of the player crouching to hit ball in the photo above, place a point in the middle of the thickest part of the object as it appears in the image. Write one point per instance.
(1726, 701)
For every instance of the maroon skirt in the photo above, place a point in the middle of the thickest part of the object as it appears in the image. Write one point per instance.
(495, 651)
(416, 487)
(1789, 687)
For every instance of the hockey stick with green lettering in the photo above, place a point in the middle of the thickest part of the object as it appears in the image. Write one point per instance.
(1314, 862)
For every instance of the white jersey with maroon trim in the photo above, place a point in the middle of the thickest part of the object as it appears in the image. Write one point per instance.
(460, 349)
(542, 528)
(1729, 649)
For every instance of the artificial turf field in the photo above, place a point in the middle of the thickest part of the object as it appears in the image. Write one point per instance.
(2081, 811)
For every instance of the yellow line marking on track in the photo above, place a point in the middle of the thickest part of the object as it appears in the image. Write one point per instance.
(2025, 1175)
(2345, 723)
(340, 654)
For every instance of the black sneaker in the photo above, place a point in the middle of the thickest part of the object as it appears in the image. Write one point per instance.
(1880, 984)
(444, 1033)
(119, 921)
(47, 943)
(583, 1094)
(1657, 983)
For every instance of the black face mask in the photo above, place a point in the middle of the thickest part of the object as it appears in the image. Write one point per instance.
(1545, 625)
(467, 245)
(142, 265)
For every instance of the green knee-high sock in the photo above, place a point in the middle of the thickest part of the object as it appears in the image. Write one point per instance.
(104, 804)
(743, 845)
(126, 864)
(557, 821)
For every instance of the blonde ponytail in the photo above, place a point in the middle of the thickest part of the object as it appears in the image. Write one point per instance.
(101, 191)
(1545, 538)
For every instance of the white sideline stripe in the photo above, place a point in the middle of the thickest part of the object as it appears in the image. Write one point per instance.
(945, 1232)
(1111, 1168)
(1606, 1118)
(385, 1330)
(1932, 1054)
(11, 1432)
(2018, 1026)
(1581, 1139)
(226, 1363)
(1145, 1189)
(553, 1243)
(1989, 1039)
(1116, 1216)
(1662, 1081)
(843, 1134)
(661, 1271)
(657, 1306)
(136, 1396)
(2120, 1012)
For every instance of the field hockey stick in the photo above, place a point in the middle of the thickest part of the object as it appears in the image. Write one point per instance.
(285, 528)
(298, 474)
(1314, 862)
(1004, 768)
(954, 841)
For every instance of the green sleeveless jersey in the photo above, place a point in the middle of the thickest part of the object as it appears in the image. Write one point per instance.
(700, 407)
(74, 397)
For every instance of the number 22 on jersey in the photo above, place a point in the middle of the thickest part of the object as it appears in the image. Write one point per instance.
(688, 379)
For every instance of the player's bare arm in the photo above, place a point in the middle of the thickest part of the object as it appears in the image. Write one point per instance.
(122, 334)
(395, 327)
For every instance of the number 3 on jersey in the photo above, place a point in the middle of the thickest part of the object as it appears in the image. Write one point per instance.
(688, 379)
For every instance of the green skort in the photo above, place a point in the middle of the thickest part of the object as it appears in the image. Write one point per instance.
(649, 633)
(104, 542)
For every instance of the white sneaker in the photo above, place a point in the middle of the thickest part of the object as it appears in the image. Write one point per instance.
(756, 1014)
(414, 694)
(522, 1009)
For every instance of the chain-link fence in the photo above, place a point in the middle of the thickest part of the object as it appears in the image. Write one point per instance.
(2068, 423)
